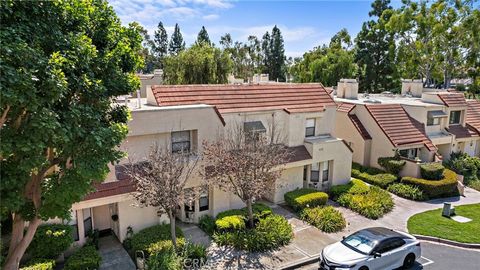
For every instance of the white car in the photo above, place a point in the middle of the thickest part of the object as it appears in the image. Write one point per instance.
(372, 249)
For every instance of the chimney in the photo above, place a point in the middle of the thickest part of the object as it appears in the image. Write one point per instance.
(347, 88)
(412, 88)
(150, 97)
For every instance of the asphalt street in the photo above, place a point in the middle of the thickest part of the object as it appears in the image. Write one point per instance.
(439, 257)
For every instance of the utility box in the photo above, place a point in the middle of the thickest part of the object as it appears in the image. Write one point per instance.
(448, 210)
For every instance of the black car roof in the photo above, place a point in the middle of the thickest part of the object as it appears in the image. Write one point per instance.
(380, 233)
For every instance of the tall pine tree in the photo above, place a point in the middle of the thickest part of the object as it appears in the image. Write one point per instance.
(203, 37)
(277, 56)
(176, 44)
(266, 53)
(161, 44)
(376, 51)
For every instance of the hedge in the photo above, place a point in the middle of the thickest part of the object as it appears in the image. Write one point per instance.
(39, 264)
(373, 176)
(436, 188)
(407, 191)
(392, 164)
(85, 258)
(260, 210)
(372, 204)
(50, 241)
(148, 237)
(305, 197)
(432, 171)
(327, 219)
(355, 186)
(235, 222)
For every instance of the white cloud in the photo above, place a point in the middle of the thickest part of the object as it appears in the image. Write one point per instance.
(211, 17)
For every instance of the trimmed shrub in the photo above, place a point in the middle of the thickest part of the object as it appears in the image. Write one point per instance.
(86, 257)
(369, 170)
(407, 191)
(207, 224)
(269, 233)
(475, 185)
(327, 219)
(355, 186)
(372, 204)
(39, 264)
(392, 164)
(373, 176)
(260, 210)
(465, 165)
(236, 222)
(50, 241)
(432, 171)
(164, 246)
(436, 188)
(165, 261)
(305, 197)
(147, 237)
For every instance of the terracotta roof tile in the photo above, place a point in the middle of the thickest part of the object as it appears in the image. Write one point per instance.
(345, 107)
(473, 115)
(398, 126)
(111, 189)
(244, 98)
(453, 99)
(461, 132)
(359, 126)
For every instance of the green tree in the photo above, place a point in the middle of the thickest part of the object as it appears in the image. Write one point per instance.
(176, 44)
(160, 44)
(327, 64)
(266, 53)
(375, 51)
(62, 62)
(277, 56)
(203, 36)
(199, 64)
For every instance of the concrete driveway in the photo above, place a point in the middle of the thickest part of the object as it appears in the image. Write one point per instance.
(309, 241)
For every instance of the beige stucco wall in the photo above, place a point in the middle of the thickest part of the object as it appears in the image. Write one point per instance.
(101, 217)
(291, 178)
(344, 129)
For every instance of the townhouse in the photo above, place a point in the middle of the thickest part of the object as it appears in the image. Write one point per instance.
(422, 125)
(182, 117)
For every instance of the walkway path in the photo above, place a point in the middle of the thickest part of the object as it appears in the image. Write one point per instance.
(114, 256)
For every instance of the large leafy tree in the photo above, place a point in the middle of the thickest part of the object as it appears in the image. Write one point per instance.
(160, 43)
(177, 44)
(199, 64)
(327, 64)
(62, 62)
(375, 52)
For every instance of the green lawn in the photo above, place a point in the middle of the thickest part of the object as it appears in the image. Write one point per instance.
(432, 223)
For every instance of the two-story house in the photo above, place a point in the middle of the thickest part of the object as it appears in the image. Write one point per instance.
(422, 125)
(184, 116)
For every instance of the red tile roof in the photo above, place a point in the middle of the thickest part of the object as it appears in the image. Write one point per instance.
(473, 115)
(242, 98)
(453, 99)
(461, 132)
(111, 189)
(398, 126)
(345, 107)
(359, 126)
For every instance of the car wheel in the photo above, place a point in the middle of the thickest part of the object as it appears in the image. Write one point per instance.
(409, 261)
(363, 268)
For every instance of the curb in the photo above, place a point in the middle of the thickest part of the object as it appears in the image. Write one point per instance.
(447, 242)
(300, 263)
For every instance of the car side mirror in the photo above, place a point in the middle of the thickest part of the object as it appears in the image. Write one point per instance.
(377, 255)
(343, 237)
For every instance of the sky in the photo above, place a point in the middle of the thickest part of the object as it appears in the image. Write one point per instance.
(304, 24)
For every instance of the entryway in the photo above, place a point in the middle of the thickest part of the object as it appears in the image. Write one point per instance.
(114, 256)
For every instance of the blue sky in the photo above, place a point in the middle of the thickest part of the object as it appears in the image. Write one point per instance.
(304, 24)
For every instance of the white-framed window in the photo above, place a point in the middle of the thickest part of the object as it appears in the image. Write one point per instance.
(87, 221)
(325, 171)
(433, 121)
(203, 203)
(315, 172)
(310, 127)
(409, 153)
(181, 141)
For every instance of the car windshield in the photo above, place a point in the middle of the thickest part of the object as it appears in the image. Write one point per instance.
(360, 243)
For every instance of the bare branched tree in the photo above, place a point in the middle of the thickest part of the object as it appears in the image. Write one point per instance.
(244, 163)
(161, 181)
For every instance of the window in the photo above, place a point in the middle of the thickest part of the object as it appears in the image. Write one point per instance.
(433, 121)
(181, 141)
(73, 223)
(305, 171)
(409, 153)
(87, 221)
(390, 244)
(315, 172)
(455, 117)
(310, 127)
(324, 171)
(203, 203)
